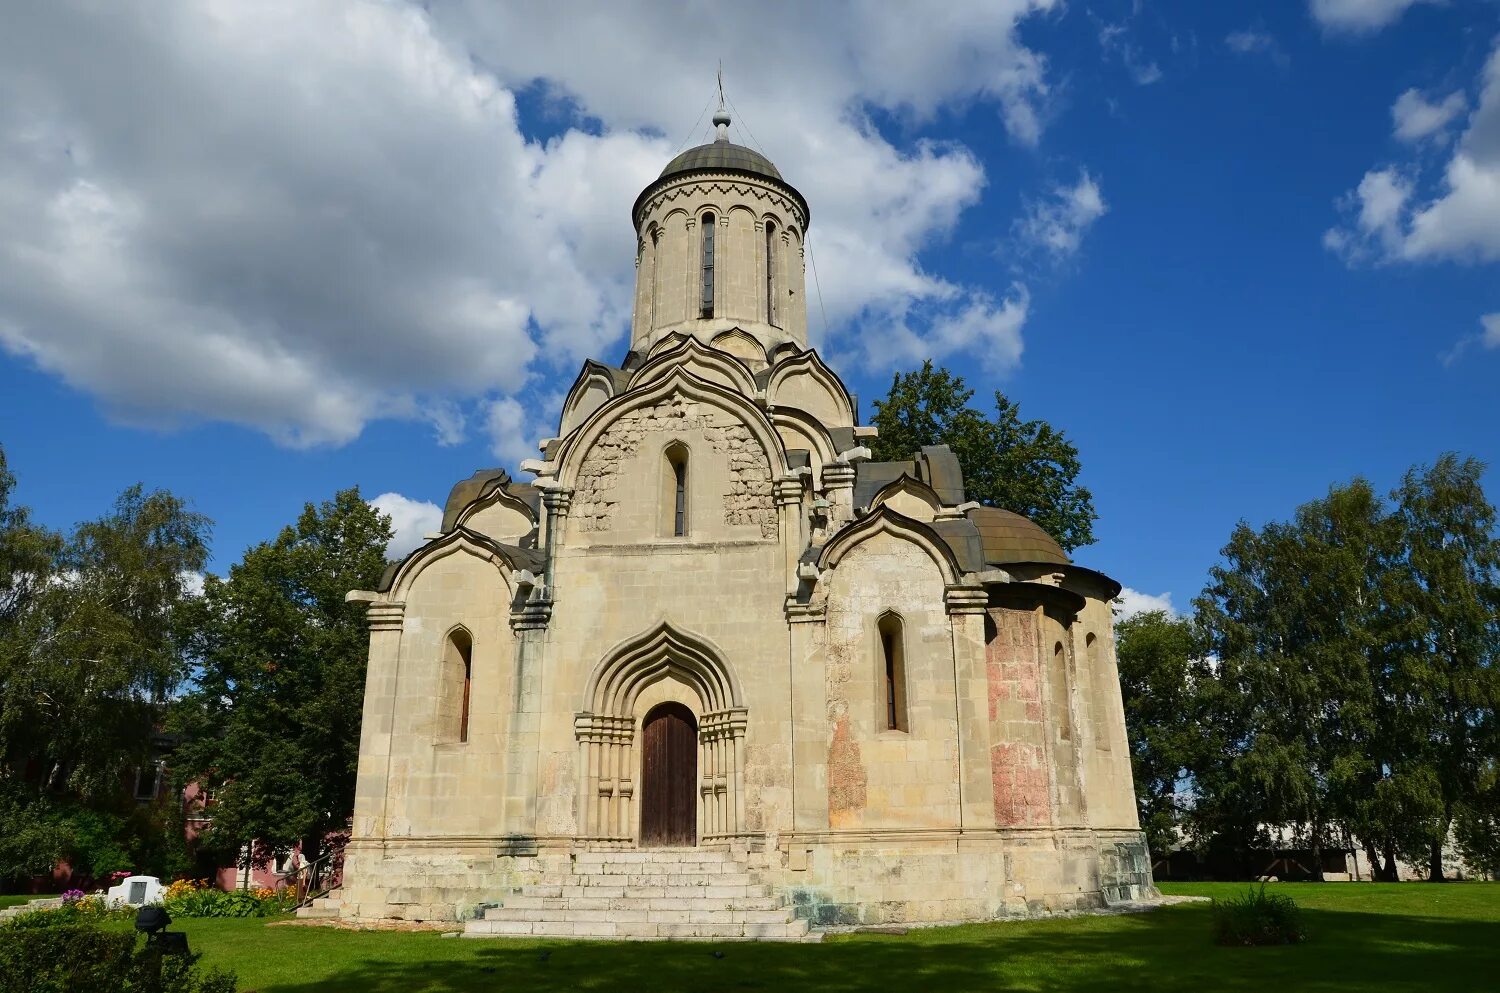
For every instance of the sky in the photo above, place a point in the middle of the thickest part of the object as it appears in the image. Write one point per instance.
(256, 251)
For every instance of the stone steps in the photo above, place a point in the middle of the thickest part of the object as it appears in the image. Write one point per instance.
(670, 895)
(524, 901)
(786, 931)
(322, 907)
(696, 880)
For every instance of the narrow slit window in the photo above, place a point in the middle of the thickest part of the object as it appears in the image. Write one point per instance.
(1063, 705)
(461, 663)
(707, 307)
(675, 491)
(894, 672)
(770, 273)
(1101, 694)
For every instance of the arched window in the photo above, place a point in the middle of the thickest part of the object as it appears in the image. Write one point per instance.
(1061, 704)
(459, 659)
(707, 307)
(655, 267)
(770, 272)
(1096, 676)
(674, 491)
(893, 659)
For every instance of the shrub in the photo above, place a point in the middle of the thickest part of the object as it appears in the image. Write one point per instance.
(187, 898)
(67, 957)
(79, 911)
(1258, 918)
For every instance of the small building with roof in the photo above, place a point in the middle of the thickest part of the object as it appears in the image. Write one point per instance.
(714, 672)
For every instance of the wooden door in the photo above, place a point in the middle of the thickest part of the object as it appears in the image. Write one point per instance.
(669, 777)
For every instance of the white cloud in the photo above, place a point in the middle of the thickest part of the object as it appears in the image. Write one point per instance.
(410, 520)
(1133, 602)
(1461, 220)
(513, 431)
(986, 328)
(1487, 338)
(1415, 118)
(1250, 41)
(1057, 224)
(1115, 39)
(1360, 16)
(192, 582)
(301, 215)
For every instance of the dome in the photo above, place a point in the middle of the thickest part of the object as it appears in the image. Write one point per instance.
(1010, 538)
(722, 155)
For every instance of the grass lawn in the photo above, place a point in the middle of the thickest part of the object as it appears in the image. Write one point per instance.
(1395, 938)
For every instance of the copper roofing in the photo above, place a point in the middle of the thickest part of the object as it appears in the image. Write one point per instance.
(722, 155)
(1009, 537)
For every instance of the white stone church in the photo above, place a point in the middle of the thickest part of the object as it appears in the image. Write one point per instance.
(715, 673)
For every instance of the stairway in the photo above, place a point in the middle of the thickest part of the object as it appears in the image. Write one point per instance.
(665, 894)
(325, 906)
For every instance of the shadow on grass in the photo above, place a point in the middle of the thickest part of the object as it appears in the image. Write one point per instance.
(1163, 951)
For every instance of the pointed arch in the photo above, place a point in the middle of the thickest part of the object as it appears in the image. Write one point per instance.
(457, 681)
(594, 386)
(805, 381)
(663, 650)
(607, 732)
(677, 380)
(884, 520)
(742, 345)
(799, 429)
(706, 362)
(460, 541)
(890, 631)
(910, 497)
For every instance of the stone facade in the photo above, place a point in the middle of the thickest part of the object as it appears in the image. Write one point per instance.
(905, 707)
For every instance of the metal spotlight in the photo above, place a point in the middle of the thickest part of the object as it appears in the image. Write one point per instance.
(152, 919)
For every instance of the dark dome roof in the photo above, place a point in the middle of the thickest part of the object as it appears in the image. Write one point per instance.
(1009, 538)
(722, 155)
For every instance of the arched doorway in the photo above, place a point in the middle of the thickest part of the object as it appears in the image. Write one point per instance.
(669, 777)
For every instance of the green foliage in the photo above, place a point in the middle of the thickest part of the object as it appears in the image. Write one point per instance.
(91, 648)
(1356, 684)
(1027, 467)
(68, 956)
(273, 720)
(91, 908)
(208, 901)
(32, 835)
(1156, 658)
(1258, 918)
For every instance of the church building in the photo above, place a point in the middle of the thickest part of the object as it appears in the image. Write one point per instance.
(714, 672)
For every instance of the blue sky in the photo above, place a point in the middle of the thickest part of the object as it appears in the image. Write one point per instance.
(1236, 254)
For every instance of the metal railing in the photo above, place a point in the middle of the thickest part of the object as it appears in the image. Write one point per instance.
(316, 878)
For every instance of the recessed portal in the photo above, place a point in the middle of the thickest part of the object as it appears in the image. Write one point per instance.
(669, 777)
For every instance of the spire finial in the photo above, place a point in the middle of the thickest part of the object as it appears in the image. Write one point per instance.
(721, 119)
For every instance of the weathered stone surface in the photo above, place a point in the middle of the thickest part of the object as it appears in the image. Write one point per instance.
(503, 785)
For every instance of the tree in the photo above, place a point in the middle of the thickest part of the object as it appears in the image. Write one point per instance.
(28, 555)
(1027, 467)
(1293, 616)
(1157, 681)
(97, 651)
(91, 649)
(273, 722)
(1446, 602)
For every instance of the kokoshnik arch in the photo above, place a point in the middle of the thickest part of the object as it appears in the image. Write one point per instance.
(713, 651)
